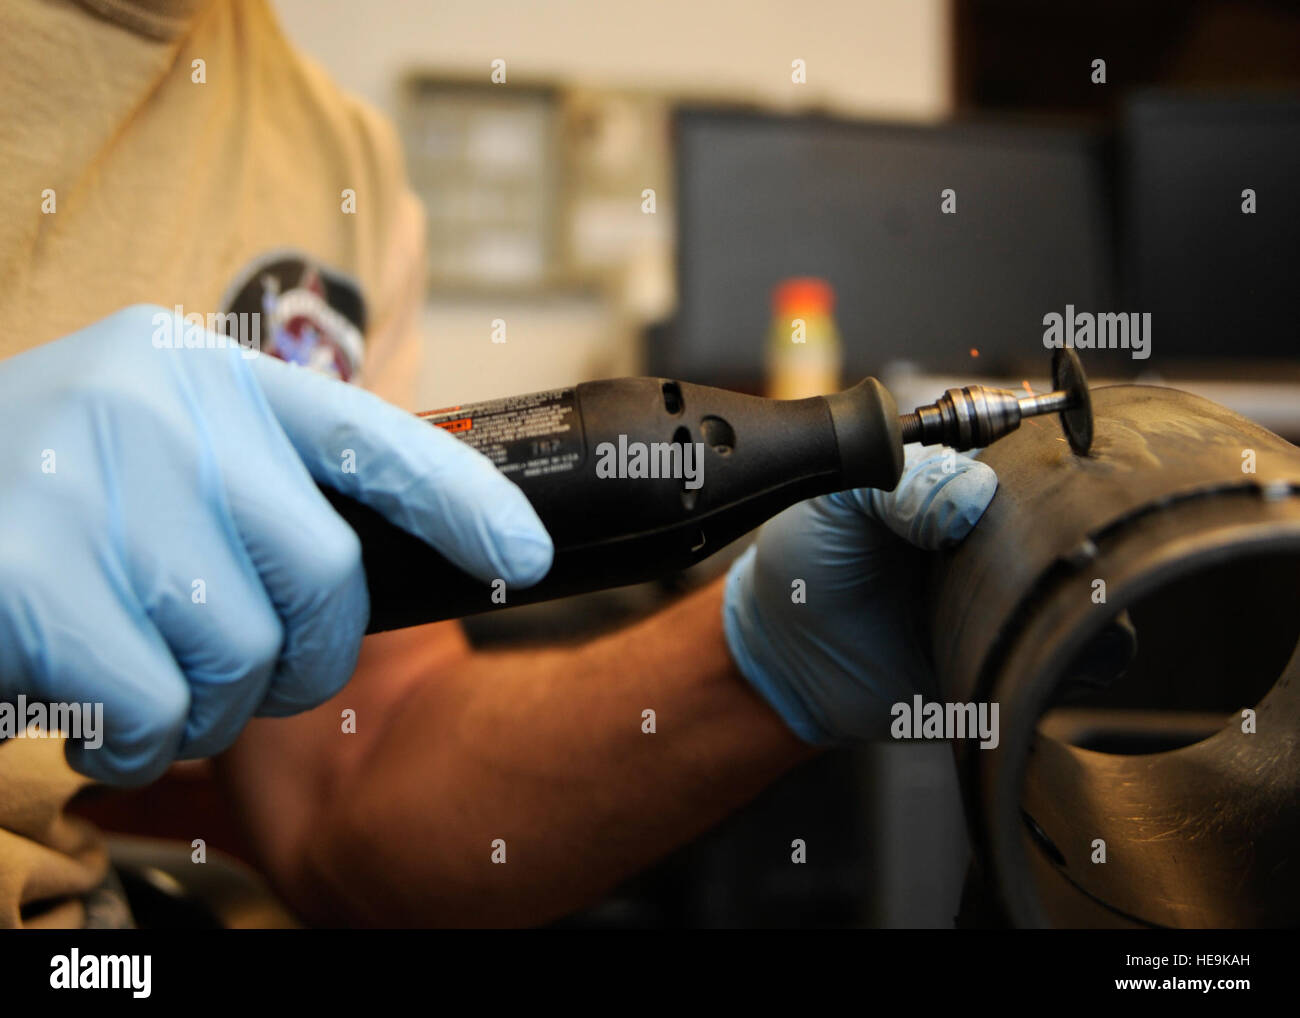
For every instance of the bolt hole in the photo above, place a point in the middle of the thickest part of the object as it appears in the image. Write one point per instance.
(673, 401)
(718, 435)
(682, 439)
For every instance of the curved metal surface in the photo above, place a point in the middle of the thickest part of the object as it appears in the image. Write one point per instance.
(1202, 562)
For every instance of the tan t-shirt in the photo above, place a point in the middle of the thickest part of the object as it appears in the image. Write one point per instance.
(181, 152)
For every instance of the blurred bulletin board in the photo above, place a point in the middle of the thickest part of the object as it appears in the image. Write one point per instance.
(485, 160)
(621, 214)
(540, 188)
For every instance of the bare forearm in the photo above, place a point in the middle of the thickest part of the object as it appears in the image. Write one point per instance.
(545, 755)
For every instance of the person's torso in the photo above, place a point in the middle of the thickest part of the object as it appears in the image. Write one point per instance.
(181, 153)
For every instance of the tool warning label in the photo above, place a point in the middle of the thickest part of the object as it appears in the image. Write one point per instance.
(531, 435)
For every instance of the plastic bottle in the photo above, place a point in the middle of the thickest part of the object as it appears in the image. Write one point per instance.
(804, 353)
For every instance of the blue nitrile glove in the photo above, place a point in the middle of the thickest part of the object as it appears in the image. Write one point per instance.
(834, 662)
(165, 552)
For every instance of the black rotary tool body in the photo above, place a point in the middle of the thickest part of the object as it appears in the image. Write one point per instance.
(637, 478)
(634, 478)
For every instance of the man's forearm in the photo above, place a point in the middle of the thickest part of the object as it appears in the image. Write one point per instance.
(544, 755)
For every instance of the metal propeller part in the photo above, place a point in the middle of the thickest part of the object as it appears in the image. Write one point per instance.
(1121, 719)
(975, 416)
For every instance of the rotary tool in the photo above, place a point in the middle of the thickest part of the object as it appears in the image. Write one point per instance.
(638, 478)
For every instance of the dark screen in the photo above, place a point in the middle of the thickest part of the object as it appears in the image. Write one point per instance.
(765, 197)
(1217, 282)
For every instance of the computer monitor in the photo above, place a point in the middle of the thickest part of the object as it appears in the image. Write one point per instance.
(1220, 282)
(763, 197)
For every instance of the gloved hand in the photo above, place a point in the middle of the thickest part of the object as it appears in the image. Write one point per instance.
(834, 666)
(164, 550)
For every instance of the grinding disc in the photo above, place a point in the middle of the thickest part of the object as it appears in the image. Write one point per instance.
(1076, 422)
